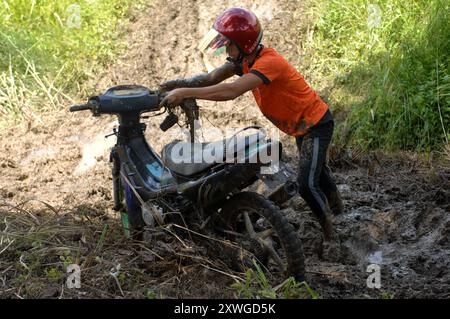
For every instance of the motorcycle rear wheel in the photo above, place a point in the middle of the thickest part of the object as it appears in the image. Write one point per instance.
(259, 227)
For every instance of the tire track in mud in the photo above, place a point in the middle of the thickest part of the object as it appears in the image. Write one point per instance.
(395, 214)
(165, 42)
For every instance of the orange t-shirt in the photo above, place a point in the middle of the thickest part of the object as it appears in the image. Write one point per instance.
(285, 98)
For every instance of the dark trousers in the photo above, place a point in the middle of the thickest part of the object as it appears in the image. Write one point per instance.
(315, 180)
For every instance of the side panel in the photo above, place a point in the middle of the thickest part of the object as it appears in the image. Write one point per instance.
(234, 177)
(143, 168)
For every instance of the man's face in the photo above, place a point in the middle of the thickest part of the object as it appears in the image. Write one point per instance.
(232, 51)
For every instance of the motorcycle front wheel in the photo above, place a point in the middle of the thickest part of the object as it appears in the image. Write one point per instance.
(132, 221)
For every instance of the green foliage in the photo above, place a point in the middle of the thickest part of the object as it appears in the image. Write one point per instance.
(53, 274)
(295, 290)
(257, 286)
(102, 238)
(387, 295)
(150, 293)
(121, 277)
(389, 68)
(66, 259)
(48, 47)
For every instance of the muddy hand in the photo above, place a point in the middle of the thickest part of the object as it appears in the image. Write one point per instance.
(174, 98)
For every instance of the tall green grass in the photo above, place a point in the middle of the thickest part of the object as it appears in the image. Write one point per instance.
(388, 66)
(49, 47)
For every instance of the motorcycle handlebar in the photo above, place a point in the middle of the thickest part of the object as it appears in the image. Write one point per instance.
(105, 104)
(79, 107)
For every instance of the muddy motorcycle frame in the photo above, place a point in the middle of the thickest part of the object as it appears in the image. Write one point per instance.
(147, 188)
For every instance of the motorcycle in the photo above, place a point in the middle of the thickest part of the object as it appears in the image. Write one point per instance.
(209, 195)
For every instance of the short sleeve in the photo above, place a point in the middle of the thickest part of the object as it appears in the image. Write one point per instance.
(266, 68)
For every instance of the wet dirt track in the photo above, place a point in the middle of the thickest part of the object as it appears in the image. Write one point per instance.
(397, 210)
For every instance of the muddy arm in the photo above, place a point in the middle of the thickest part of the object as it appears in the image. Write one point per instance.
(221, 91)
(201, 80)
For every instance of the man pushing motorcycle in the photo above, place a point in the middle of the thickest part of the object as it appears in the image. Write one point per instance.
(283, 96)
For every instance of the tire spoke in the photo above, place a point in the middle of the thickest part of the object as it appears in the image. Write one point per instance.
(258, 227)
(265, 233)
(249, 225)
(273, 253)
(230, 232)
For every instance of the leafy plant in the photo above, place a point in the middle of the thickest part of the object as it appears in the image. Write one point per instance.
(257, 286)
(53, 273)
(390, 77)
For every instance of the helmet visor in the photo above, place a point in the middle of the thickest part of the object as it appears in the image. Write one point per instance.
(213, 42)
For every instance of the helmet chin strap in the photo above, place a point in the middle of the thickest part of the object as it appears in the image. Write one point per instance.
(239, 59)
(241, 56)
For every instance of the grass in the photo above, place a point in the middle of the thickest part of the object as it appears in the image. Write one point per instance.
(48, 48)
(386, 68)
(39, 242)
(37, 245)
(257, 286)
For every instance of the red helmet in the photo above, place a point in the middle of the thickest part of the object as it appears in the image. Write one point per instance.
(237, 25)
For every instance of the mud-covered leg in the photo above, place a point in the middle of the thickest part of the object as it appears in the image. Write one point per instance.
(329, 188)
(313, 148)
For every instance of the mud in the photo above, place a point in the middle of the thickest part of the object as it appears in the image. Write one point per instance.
(397, 208)
(393, 218)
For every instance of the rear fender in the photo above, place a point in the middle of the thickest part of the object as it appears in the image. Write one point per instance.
(266, 153)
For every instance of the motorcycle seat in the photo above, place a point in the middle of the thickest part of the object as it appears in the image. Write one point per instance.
(187, 159)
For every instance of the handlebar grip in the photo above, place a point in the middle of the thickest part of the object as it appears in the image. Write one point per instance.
(79, 107)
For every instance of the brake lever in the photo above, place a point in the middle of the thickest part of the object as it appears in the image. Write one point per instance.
(191, 110)
(94, 106)
(113, 133)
